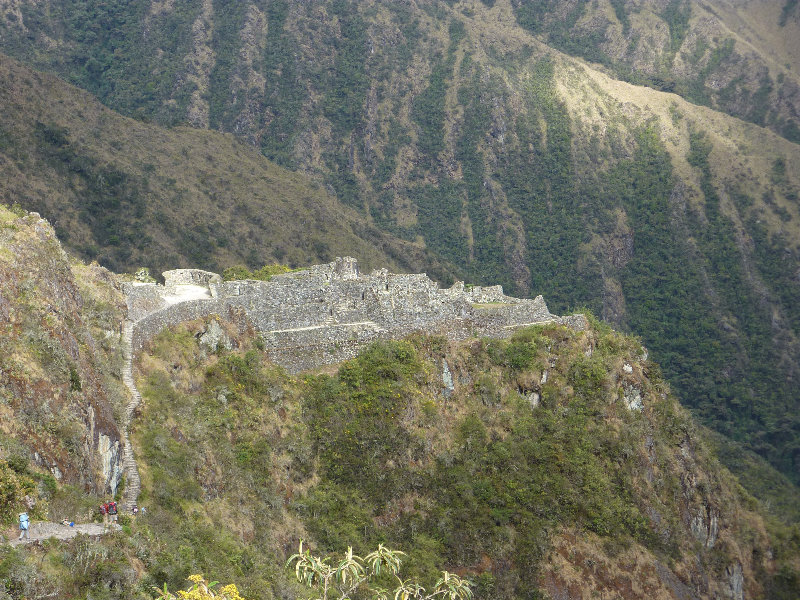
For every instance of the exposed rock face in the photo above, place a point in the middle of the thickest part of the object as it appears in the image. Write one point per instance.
(326, 313)
(57, 345)
(736, 581)
(447, 379)
(705, 527)
(108, 451)
(214, 337)
(633, 397)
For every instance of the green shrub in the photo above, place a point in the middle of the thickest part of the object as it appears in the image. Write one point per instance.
(588, 377)
(265, 273)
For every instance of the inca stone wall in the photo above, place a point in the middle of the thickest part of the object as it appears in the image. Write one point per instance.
(326, 313)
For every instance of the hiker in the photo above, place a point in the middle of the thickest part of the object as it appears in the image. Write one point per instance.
(135, 510)
(112, 510)
(104, 512)
(24, 522)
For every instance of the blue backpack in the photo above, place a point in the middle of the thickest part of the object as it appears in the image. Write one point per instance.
(23, 521)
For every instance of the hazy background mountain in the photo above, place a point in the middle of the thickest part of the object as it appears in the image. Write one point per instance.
(479, 130)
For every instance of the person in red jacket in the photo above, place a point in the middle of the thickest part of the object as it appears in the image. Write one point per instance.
(104, 512)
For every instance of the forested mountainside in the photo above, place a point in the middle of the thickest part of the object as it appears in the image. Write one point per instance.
(130, 194)
(215, 65)
(738, 57)
(552, 464)
(479, 129)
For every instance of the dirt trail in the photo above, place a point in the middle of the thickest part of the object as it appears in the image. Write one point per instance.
(46, 530)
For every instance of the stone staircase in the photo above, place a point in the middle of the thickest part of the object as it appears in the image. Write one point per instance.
(133, 484)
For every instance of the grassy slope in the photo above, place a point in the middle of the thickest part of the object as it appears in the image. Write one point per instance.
(127, 193)
(576, 493)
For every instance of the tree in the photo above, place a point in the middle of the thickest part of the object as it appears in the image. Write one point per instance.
(354, 573)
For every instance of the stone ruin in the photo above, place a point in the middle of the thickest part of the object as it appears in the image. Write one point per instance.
(327, 313)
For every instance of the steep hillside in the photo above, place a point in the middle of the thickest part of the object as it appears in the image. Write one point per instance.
(556, 462)
(210, 63)
(478, 129)
(741, 58)
(59, 359)
(129, 194)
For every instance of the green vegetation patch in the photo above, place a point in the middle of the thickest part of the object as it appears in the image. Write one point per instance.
(393, 463)
(240, 460)
(265, 273)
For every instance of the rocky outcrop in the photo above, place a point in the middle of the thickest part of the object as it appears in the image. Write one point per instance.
(57, 349)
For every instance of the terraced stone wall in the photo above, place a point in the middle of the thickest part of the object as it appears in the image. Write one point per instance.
(326, 313)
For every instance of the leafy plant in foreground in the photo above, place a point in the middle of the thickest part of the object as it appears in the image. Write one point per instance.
(353, 572)
(201, 590)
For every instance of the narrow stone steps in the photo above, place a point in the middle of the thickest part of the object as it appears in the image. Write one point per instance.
(132, 480)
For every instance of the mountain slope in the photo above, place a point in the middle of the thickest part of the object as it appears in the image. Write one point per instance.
(453, 125)
(554, 462)
(738, 57)
(130, 194)
(59, 360)
(203, 62)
